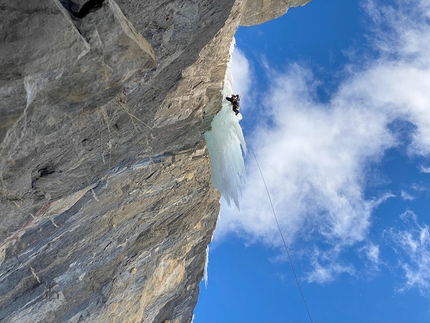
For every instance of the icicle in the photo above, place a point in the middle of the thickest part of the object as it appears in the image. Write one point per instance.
(205, 273)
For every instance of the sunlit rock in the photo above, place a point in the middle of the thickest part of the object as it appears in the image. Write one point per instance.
(106, 199)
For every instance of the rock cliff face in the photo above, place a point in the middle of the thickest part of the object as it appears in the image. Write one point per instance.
(258, 11)
(106, 201)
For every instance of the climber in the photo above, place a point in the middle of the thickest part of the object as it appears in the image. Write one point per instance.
(234, 99)
(87, 7)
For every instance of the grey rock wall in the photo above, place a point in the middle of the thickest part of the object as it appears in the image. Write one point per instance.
(258, 11)
(106, 201)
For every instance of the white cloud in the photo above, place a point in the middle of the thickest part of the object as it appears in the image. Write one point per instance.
(326, 267)
(425, 170)
(372, 253)
(413, 248)
(327, 274)
(315, 157)
(406, 196)
(242, 76)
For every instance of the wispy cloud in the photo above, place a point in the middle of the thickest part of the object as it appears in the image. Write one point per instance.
(372, 253)
(326, 267)
(315, 157)
(413, 248)
(326, 274)
(406, 196)
(424, 169)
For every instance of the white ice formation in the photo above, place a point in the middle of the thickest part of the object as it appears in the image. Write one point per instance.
(225, 142)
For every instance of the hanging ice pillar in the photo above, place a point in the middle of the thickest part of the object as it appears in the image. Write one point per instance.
(225, 142)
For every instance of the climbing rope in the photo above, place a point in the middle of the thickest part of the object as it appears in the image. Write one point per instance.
(282, 236)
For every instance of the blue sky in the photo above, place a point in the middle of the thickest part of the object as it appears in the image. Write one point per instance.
(336, 106)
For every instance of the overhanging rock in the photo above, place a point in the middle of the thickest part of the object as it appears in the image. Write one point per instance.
(106, 200)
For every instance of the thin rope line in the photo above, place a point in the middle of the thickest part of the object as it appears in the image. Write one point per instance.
(282, 236)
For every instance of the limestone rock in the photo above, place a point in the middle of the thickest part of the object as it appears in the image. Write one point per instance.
(106, 200)
(259, 11)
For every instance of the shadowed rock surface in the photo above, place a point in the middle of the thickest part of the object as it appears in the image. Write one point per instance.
(106, 201)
